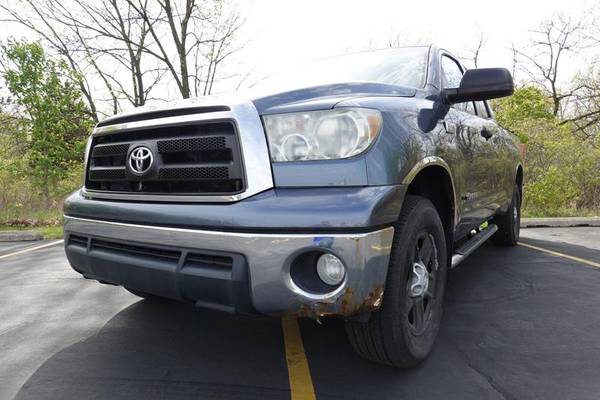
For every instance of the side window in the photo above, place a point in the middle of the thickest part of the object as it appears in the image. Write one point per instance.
(489, 109)
(451, 73)
(451, 76)
(482, 110)
(468, 107)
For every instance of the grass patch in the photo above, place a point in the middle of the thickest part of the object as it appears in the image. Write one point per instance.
(532, 212)
(39, 216)
(48, 232)
(48, 222)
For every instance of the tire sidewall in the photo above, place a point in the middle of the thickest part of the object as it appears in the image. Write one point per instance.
(423, 217)
(515, 225)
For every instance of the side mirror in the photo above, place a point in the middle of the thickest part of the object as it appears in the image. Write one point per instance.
(481, 84)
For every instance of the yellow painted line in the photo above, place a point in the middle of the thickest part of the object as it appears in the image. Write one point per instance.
(16, 253)
(557, 254)
(301, 386)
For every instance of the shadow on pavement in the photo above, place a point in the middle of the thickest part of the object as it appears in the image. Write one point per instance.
(168, 350)
(518, 324)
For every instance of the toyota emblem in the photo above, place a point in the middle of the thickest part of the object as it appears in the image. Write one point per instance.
(140, 160)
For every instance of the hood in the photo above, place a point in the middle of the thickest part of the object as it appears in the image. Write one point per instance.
(324, 96)
(306, 99)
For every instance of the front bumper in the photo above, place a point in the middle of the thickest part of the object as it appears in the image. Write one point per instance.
(188, 265)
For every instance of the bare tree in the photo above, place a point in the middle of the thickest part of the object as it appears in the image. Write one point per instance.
(104, 37)
(393, 38)
(222, 29)
(131, 47)
(196, 28)
(37, 21)
(473, 52)
(585, 100)
(404, 38)
(110, 31)
(550, 44)
(514, 60)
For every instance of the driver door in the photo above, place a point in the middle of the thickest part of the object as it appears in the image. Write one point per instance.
(463, 122)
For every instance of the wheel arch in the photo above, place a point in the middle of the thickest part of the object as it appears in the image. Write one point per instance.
(443, 194)
(519, 178)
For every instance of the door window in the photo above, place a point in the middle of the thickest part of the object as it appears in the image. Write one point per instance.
(489, 109)
(451, 76)
(452, 73)
(482, 109)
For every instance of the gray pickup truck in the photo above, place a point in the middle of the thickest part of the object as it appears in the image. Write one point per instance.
(347, 188)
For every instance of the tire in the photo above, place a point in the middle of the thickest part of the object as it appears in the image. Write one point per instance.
(144, 295)
(398, 334)
(509, 224)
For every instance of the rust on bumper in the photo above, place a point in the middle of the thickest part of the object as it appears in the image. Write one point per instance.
(347, 305)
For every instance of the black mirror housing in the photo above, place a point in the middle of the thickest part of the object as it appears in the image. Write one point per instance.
(482, 84)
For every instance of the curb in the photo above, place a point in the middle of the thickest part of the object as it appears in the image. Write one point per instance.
(559, 222)
(19, 236)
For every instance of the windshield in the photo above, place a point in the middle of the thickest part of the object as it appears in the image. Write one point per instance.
(401, 66)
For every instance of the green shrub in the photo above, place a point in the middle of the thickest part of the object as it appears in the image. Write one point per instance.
(562, 172)
(54, 121)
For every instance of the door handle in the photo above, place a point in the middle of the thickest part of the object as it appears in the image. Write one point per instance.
(486, 133)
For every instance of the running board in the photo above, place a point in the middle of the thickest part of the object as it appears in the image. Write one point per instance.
(472, 244)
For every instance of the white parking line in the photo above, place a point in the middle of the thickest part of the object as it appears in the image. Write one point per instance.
(31, 249)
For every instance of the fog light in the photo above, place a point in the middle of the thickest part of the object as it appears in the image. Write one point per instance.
(330, 269)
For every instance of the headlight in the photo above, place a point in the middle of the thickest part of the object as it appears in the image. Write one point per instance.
(321, 135)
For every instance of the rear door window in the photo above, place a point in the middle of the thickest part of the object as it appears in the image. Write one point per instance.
(482, 110)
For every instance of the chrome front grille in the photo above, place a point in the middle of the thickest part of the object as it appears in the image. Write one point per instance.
(201, 158)
(209, 150)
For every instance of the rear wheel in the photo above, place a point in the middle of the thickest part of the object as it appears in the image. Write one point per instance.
(402, 332)
(509, 224)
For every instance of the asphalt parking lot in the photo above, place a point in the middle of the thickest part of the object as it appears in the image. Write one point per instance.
(520, 323)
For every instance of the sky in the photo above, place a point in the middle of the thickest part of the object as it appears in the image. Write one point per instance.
(281, 34)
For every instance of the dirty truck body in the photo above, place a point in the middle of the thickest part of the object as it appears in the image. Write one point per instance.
(301, 200)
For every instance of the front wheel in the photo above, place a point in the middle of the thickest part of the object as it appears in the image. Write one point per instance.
(144, 295)
(402, 332)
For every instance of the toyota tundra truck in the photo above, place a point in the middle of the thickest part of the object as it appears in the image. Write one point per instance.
(346, 188)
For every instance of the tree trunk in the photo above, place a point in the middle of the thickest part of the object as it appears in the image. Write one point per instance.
(46, 189)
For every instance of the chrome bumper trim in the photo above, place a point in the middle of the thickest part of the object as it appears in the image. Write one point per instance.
(93, 194)
(269, 256)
